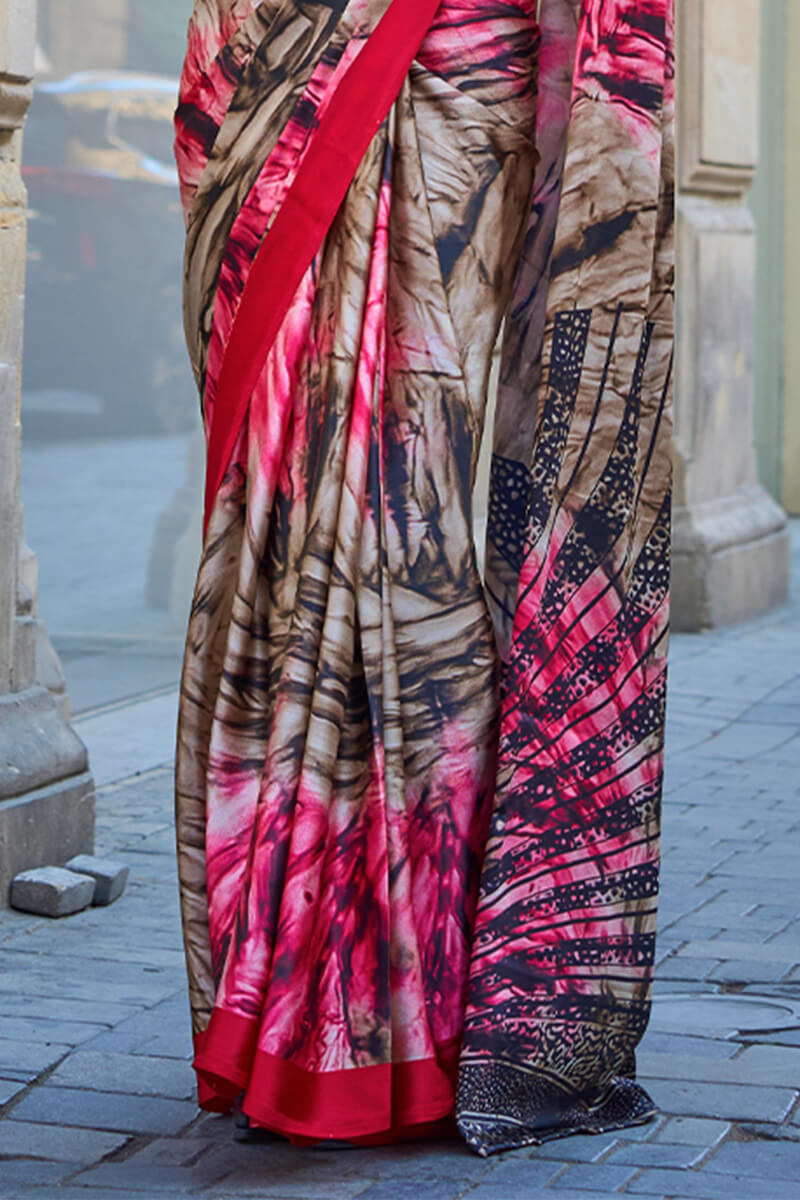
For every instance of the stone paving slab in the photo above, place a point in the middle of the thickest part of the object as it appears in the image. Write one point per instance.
(90, 1109)
(178, 1152)
(110, 1177)
(654, 1154)
(300, 1187)
(693, 1131)
(121, 740)
(771, 1160)
(9, 1088)
(119, 982)
(770, 951)
(606, 1176)
(134, 1075)
(702, 1185)
(27, 1060)
(167, 1022)
(48, 1192)
(583, 1149)
(26, 1139)
(22, 1171)
(51, 1008)
(31, 1029)
(435, 1187)
(488, 1191)
(724, 1101)
(691, 1045)
(95, 1086)
(780, 1070)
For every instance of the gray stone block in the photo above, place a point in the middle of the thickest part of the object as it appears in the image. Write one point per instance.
(693, 1131)
(581, 1148)
(595, 1176)
(110, 877)
(491, 1191)
(91, 983)
(722, 1101)
(9, 1088)
(110, 1112)
(171, 1079)
(750, 971)
(214, 1128)
(168, 1021)
(51, 892)
(24, 1139)
(684, 968)
(179, 1046)
(674, 1043)
(656, 1154)
(781, 1069)
(304, 1185)
(151, 1179)
(65, 1192)
(434, 1187)
(179, 1152)
(783, 1133)
(34, 1174)
(768, 1158)
(32, 1030)
(514, 1173)
(51, 1008)
(20, 1059)
(700, 1185)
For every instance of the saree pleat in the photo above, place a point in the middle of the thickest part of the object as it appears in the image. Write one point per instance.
(417, 815)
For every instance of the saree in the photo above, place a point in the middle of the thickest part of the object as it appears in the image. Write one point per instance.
(417, 796)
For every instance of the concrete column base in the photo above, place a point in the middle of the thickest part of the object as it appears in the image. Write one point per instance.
(46, 788)
(178, 541)
(730, 560)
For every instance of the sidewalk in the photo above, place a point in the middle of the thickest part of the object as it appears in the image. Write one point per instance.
(94, 1027)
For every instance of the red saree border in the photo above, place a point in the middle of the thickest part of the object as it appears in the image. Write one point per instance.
(356, 112)
(371, 1105)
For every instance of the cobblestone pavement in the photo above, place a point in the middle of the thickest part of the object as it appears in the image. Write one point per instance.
(95, 1083)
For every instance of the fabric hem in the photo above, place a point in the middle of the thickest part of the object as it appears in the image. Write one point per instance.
(361, 1103)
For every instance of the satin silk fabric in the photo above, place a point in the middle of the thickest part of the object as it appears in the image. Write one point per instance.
(418, 815)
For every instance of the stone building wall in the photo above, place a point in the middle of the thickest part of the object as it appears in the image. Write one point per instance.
(730, 538)
(790, 229)
(46, 790)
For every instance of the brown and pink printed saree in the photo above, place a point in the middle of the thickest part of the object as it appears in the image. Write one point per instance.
(418, 808)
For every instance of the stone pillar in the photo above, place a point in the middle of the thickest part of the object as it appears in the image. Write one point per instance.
(790, 423)
(730, 538)
(46, 790)
(178, 539)
(766, 200)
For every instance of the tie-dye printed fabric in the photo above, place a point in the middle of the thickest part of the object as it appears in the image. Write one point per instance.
(418, 814)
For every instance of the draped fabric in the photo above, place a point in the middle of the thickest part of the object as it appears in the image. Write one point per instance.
(418, 810)
(578, 579)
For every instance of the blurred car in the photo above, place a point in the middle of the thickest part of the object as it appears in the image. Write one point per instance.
(104, 349)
